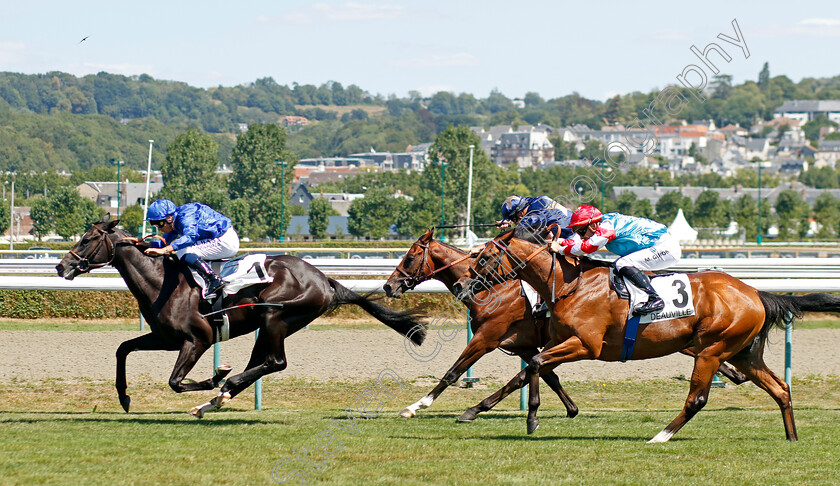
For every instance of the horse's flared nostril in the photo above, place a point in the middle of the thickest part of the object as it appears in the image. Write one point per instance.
(387, 289)
(457, 288)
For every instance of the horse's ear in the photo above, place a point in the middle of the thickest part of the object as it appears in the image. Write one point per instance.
(113, 224)
(105, 218)
(429, 234)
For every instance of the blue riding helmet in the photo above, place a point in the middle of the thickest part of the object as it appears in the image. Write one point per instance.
(511, 206)
(160, 209)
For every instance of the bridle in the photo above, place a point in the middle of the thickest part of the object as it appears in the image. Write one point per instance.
(84, 265)
(414, 280)
(513, 272)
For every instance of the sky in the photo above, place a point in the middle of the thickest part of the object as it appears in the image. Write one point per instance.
(553, 48)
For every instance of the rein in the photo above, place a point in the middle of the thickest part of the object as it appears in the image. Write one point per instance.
(502, 247)
(415, 280)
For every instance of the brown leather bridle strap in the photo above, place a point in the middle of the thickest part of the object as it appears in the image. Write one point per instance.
(83, 263)
(417, 280)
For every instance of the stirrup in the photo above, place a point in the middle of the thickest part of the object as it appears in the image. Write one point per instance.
(212, 290)
(649, 307)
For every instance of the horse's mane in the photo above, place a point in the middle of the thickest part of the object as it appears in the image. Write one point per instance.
(447, 245)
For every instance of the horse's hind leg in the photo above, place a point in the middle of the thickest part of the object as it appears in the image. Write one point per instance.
(734, 375)
(752, 365)
(705, 367)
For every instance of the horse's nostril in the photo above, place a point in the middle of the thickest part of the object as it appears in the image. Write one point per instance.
(387, 289)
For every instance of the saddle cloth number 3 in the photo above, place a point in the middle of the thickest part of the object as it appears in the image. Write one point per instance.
(675, 291)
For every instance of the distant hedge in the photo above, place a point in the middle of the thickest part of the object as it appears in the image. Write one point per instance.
(97, 304)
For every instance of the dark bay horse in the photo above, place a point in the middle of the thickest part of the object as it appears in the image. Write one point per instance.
(508, 323)
(171, 303)
(731, 324)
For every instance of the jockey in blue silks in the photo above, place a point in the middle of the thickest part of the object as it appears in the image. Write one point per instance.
(641, 244)
(537, 213)
(193, 232)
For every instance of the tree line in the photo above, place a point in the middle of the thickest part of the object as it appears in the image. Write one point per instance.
(57, 120)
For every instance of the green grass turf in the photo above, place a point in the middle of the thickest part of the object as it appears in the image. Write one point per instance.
(52, 434)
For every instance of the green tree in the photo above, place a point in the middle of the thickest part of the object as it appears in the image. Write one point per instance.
(189, 170)
(452, 148)
(373, 214)
(812, 128)
(708, 210)
(626, 203)
(132, 219)
(668, 205)
(592, 150)
(71, 213)
(746, 215)
(827, 214)
(41, 213)
(319, 217)
(764, 77)
(256, 176)
(791, 208)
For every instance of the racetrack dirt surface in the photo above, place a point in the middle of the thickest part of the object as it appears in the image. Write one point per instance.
(353, 354)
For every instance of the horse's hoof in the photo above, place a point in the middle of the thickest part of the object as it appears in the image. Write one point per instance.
(220, 374)
(407, 413)
(571, 413)
(533, 425)
(468, 416)
(197, 412)
(220, 399)
(125, 402)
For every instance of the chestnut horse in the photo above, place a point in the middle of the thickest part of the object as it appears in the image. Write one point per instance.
(499, 318)
(171, 303)
(731, 324)
(507, 323)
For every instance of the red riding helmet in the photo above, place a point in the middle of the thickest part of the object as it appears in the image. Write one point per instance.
(584, 215)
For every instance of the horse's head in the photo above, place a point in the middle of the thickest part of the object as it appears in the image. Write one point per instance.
(493, 265)
(410, 272)
(94, 250)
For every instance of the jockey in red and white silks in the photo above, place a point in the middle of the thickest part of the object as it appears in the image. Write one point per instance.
(641, 244)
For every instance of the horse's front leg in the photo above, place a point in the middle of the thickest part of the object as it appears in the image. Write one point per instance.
(551, 379)
(268, 356)
(189, 355)
(476, 348)
(146, 342)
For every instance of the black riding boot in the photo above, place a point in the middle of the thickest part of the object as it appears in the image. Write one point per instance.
(641, 280)
(212, 281)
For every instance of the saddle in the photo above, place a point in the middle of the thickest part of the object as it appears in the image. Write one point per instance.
(238, 273)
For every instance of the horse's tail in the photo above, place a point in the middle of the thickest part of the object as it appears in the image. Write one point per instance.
(407, 323)
(781, 308)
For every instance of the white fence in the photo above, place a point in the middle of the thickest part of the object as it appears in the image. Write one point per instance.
(768, 274)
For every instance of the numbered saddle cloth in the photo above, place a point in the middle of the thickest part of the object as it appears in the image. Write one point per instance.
(239, 272)
(530, 293)
(675, 290)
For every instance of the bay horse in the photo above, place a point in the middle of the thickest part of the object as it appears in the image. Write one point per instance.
(508, 323)
(172, 305)
(731, 324)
